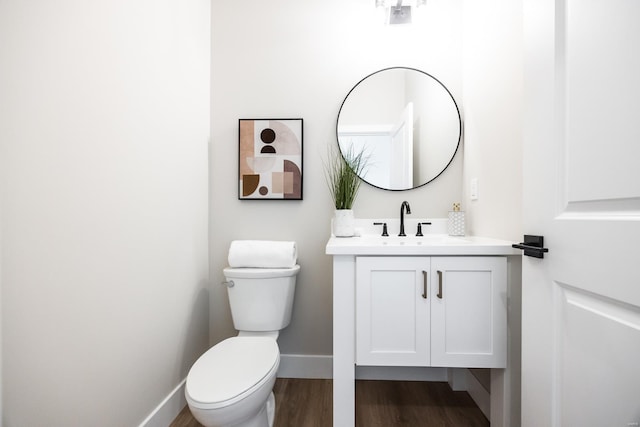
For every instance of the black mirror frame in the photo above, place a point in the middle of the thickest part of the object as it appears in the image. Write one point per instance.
(452, 99)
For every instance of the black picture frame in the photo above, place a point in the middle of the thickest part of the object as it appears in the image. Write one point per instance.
(270, 159)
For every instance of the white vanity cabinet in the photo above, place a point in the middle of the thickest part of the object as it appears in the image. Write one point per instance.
(431, 311)
(385, 322)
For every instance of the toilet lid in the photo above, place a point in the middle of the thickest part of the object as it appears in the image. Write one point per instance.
(231, 368)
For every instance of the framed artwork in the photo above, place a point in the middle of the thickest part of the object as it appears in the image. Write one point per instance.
(270, 159)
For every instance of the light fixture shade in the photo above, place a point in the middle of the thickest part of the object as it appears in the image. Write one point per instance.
(400, 11)
(399, 15)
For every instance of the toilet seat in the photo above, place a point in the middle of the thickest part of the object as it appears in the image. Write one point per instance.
(232, 370)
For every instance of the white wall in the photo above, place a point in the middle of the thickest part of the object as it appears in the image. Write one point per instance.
(492, 79)
(104, 124)
(492, 99)
(289, 58)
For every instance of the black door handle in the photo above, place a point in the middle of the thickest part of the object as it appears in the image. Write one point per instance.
(532, 246)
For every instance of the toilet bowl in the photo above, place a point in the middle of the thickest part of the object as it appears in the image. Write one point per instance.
(231, 384)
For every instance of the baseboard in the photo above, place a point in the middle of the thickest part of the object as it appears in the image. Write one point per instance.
(167, 411)
(479, 394)
(321, 367)
(305, 366)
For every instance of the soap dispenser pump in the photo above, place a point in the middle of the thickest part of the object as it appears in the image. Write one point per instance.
(455, 225)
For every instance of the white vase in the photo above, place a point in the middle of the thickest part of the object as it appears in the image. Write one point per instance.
(343, 223)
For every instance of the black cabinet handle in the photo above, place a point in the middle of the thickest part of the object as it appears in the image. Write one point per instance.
(424, 284)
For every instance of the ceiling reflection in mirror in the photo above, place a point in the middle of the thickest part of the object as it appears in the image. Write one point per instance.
(405, 122)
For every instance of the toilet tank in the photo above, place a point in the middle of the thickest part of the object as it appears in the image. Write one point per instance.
(261, 299)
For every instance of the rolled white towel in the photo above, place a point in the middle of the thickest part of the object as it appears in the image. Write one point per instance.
(262, 254)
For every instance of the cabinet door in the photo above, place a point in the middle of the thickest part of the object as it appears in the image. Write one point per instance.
(392, 311)
(469, 312)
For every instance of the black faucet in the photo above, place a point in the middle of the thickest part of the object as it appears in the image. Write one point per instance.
(403, 206)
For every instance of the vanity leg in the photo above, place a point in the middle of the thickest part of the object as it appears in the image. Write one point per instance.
(344, 341)
(499, 399)
(343, 395)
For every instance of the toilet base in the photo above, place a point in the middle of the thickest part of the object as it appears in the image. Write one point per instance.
(265, 417)
(271, 409)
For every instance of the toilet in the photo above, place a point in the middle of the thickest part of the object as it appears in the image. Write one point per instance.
(231, 384)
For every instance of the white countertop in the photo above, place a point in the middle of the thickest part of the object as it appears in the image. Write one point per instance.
(431, 243)
(467, 245)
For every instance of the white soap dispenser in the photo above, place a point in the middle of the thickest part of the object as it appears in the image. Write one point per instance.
(455, 226)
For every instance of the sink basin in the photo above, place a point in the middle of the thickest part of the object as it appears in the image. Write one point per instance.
(426, 240)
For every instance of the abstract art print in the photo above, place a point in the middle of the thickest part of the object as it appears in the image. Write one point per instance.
(270, 157)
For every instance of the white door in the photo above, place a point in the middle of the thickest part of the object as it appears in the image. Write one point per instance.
(402, 151)
(581, 303)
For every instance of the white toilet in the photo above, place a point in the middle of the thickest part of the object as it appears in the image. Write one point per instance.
(231, 384)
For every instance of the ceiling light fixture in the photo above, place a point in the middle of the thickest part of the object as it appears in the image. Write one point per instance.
(396, 12)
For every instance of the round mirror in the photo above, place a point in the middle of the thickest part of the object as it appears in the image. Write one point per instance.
(405, 123)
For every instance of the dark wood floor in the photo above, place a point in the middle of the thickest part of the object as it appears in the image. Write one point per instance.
(308, 403)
